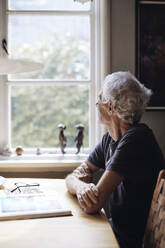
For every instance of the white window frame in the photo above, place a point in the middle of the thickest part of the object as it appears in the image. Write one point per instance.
(98, 60)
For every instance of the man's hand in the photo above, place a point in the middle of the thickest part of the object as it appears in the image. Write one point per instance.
(87, 195)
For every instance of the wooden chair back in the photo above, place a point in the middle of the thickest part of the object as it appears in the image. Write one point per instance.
(154, 236)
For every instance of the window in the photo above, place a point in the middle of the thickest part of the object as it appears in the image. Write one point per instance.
(62, 35)
(69, 39)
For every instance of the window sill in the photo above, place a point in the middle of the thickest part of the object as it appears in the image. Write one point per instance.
(41, 163)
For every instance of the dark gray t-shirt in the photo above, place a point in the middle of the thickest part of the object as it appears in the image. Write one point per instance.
(138, 158)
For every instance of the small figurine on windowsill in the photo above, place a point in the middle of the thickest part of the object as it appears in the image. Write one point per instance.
(7, 151)
(38, 151)
(80, 136)
(19, 150)
(62, 137)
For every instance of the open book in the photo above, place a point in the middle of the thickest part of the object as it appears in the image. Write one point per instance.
(31, 205)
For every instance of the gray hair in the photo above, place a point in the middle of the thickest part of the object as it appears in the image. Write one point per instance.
(128, 95)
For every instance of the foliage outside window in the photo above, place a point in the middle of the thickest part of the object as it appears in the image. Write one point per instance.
(60, 92)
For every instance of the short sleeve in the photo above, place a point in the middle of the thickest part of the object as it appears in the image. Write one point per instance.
(97, 157)
(129, 157)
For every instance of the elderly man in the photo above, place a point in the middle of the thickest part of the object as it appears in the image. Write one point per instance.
(130, 156)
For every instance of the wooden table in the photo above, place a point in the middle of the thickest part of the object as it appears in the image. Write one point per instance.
(78, 231)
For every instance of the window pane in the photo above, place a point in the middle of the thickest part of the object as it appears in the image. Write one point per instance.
(61, 43)
(36, 112)
(47, 5)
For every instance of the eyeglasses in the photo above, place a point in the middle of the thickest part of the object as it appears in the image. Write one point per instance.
(20, 185)
(100, 100)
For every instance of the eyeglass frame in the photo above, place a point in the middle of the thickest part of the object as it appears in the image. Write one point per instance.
(99, 100)
(23, 186)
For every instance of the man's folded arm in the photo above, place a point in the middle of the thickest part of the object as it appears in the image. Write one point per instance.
(105, 186)
(80, 176)
(92, 197)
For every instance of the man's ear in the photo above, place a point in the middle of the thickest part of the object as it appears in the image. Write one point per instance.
(110, 107)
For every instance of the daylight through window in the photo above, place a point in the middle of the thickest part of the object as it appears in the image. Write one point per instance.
(58, 35)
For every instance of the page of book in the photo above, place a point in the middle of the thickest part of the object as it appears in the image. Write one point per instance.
(31, 205)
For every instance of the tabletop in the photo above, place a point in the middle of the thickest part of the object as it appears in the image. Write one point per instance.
(76, 231)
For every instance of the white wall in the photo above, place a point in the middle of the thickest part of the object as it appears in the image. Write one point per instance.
(123, 56)
(122, 35)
